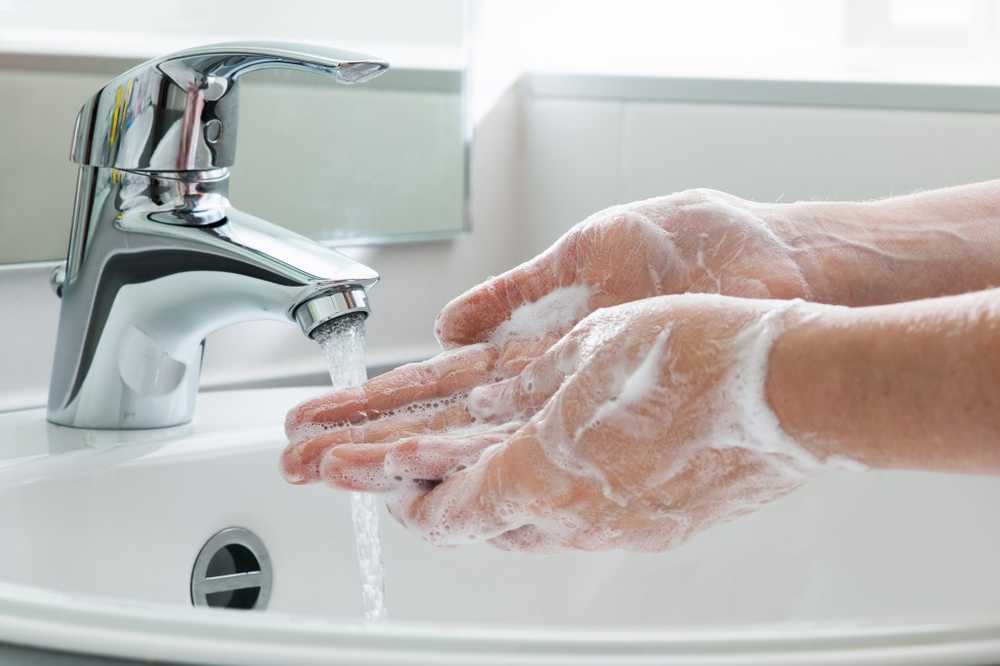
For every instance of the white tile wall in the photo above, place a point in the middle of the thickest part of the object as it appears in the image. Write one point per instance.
(584, 155)
(572, 164)
(771, 152)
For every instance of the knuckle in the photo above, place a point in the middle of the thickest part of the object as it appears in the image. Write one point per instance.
(611, 223)
(700, 196)
(706, 206)
(399, 461)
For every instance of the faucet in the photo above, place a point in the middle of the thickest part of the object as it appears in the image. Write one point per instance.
(158, 257)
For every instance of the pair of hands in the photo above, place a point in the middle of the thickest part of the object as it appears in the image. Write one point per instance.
(583, 401)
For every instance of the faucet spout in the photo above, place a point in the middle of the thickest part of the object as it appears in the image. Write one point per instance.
(159, 261)
(326, 307)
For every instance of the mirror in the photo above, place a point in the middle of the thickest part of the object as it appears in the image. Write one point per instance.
(379, 162)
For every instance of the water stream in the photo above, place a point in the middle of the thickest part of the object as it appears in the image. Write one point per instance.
(343, 343)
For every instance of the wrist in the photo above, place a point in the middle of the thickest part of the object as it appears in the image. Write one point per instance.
(843, 250)
(800, 386)
(760, 402)
(903, 386)
(926, 245)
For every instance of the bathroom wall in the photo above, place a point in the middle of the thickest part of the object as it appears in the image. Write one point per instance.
(586, 147)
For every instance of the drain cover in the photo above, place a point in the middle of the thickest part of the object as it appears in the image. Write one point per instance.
(232, 570)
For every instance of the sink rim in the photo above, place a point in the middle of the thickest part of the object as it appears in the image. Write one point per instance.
(260, 413)
(42, 618)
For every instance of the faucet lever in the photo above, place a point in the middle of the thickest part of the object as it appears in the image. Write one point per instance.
(180, 112)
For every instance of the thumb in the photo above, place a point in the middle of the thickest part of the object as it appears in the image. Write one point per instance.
(476, 314)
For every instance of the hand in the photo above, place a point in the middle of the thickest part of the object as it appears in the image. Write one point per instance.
(906, 248)
(695, 241)
(642, 426)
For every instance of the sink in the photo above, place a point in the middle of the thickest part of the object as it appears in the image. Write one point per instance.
(101, 530)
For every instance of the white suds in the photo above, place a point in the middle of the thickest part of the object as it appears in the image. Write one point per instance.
(844, 463)
(750, 422)
(744, 417)
(555, 312)
(637, 385)
(738, 416)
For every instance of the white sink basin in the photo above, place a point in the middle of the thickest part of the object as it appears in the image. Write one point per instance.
(101, 529)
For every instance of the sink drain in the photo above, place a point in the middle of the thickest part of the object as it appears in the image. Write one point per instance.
(232, 570)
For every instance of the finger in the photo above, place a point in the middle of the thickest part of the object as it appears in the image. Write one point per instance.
(475, 504)
(300, 461)
(385, 466)
(517, 397)
(399, 499)
(516, 355)
(435, 457)
(474, 315)
(523, 395)
(357, 467)
(446, 374)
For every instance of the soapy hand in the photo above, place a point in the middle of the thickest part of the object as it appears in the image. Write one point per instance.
(643, 425)
(694, 241)
(697, 241)
(645, 422)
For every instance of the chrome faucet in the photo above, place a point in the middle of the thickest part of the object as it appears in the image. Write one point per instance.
(158, 258)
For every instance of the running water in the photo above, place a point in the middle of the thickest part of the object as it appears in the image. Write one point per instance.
(343, 343)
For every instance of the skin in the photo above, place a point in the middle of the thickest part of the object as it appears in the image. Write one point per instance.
(906, 386)
(524, 451)
(925, 245)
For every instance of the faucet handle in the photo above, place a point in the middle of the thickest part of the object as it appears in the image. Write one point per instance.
(180, 112)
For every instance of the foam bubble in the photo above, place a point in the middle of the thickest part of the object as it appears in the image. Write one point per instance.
(555, 312)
